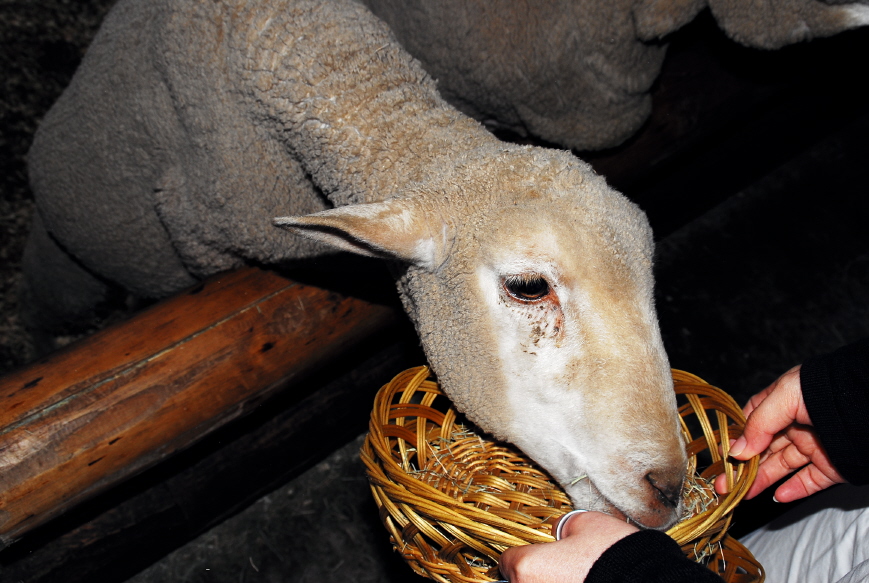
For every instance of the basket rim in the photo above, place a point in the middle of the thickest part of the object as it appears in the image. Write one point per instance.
(426, 502)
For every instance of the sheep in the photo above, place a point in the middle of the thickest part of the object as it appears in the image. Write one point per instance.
(578, 73)
(191, 125)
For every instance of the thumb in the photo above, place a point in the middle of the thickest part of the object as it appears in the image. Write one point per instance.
(782, 405)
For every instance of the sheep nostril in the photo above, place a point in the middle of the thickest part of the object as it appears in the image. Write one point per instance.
(669, 490)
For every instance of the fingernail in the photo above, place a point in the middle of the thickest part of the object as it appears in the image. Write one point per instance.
(774, 499)
(737, 446)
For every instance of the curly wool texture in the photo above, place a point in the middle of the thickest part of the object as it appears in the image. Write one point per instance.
(190, 127)
(578, 72)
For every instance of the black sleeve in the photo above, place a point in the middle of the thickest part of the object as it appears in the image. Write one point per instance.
(648, 556)
(836, 393)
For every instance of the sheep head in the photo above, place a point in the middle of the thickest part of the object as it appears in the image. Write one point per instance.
(531, 289)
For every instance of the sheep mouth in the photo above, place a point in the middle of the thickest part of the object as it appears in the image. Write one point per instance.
(667, 494)
(662, 512)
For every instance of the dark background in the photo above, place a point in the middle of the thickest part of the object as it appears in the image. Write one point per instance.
(753, 170)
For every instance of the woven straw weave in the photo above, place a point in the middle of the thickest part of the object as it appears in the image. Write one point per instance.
(453, 500)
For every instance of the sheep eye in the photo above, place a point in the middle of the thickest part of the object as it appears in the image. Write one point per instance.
(526, 288)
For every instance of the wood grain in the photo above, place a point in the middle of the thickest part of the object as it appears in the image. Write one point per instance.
(126, 398)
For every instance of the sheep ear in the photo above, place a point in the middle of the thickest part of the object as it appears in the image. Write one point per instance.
(396, 229)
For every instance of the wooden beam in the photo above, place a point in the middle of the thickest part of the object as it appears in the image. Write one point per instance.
(115, 535)
(88, 417)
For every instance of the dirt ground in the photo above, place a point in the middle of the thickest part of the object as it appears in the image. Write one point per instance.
(322, 526)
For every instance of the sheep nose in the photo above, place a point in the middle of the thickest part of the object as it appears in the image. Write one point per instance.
(668, 486)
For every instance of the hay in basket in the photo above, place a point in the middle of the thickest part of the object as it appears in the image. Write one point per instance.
(453, 500)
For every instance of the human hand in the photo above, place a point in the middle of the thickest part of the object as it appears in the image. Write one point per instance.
(585, 537)
(779, 428)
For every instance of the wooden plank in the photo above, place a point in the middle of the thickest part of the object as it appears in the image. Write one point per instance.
(128, 397)
(112, 537)
(41, 385)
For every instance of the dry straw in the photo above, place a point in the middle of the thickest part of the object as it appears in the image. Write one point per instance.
(453, 500)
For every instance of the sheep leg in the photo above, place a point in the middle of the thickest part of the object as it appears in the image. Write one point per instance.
(56, 287)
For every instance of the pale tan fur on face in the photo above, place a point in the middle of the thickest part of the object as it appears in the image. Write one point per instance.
(577, 378)
(584, 368)
(413, 179)
(190, 124)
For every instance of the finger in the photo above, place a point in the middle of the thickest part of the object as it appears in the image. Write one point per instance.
(803, 437)
(510, 560)
(747, 410)
(809, 480)
(539, 563)
(779, 442)
(814, 477)
(808, 444)
(778, 410)
(594, 525)
(756, 400)
(585, 538)
(777, 466)
(802, 448)
(720, 484)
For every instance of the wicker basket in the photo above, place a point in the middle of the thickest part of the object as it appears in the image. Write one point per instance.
(453, 500)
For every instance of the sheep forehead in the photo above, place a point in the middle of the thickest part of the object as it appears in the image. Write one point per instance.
(565, 232)
(597, 282)
(517, 244)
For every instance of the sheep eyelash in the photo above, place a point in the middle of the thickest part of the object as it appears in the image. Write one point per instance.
(523, 278)
(527, 287)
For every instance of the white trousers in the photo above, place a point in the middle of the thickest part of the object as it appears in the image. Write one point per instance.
(823, 540)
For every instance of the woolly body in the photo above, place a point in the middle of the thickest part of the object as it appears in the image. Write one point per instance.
(190, 125)
(578, 72)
